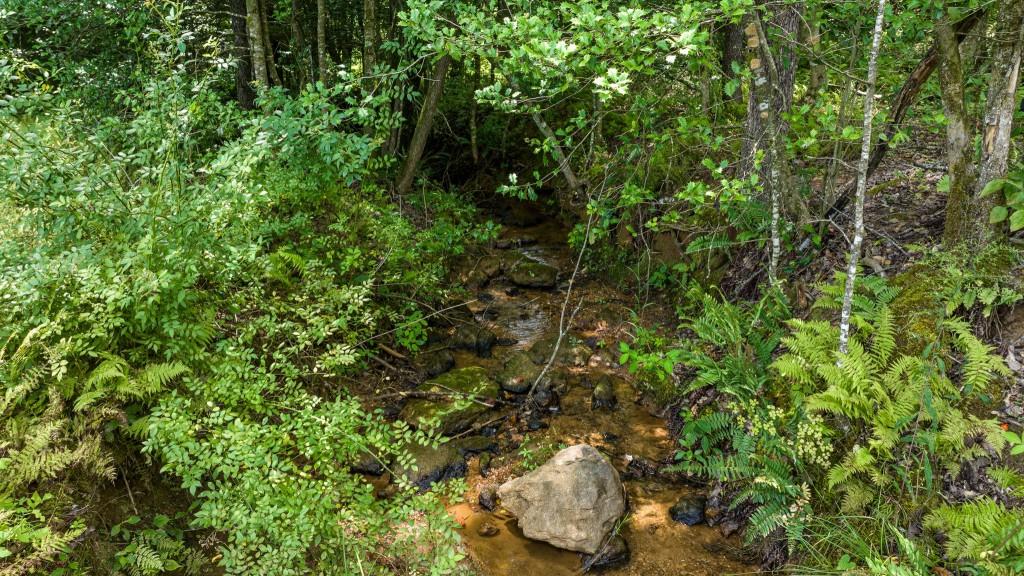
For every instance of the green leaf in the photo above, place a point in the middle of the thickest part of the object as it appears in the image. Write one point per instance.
(992, 187)
(998, 214)
(1017, 221)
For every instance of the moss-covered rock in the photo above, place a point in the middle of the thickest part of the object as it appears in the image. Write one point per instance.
(917, 309)
(530, 274)
(462, 396)
(518, 374)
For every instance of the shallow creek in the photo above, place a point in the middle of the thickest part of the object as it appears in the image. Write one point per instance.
(658, 545)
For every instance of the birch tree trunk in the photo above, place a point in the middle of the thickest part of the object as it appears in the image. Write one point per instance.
(254, 27)
(423, 125)
(999, 109)
(862, 183)
(321, 39)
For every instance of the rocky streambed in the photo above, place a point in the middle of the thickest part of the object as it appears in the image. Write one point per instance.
(490, 354)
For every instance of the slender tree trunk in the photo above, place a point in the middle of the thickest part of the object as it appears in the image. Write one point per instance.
(423, 126)
(999, 108)
(299, 46)
(958, 136)
(369, 41)
(839, 146)
(819, 73)
(473, 112)
(254, 27)
(321, 40)
(862, 183)
(268, 46)
(765, 74)
(563, 161)
(243, 72)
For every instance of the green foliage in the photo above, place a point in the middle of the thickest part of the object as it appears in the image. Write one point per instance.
(159, 549)
(1012, 190)
(983, 536)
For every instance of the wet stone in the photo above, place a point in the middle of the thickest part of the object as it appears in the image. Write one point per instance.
(518, 373)
(603, 397)
(432, 465)
(485, 464)
(487, 529)
(475, 445)
(475, 339)
(689, 510)
(530, 274)
(615, 552)
(436, 362)
(467, 383)
(488, 499)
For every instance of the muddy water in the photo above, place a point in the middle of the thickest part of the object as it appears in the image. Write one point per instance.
(631, 432)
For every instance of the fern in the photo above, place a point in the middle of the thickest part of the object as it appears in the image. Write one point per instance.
(982, 533)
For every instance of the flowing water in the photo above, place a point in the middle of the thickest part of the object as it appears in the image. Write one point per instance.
(630, 432)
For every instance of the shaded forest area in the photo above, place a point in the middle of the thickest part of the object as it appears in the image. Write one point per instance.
(291, 286)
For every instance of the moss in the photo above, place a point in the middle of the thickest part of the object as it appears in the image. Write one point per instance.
(470, 383)
(918, 308)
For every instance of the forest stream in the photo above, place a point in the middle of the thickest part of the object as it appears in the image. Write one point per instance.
(633, 435)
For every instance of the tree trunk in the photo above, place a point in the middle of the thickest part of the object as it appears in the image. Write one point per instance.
(321, 39)
(243, 73)
(299, 47)
(254, 27)
(819, 73)
(771, 94)
(732, 54)
(369, 41)
(423, 125)
(862, 183)
(473, 148)
(271, 66)
(999, 108)
(958, 136)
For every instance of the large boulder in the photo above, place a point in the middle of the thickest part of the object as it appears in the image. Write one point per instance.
(571, 502)
(518, 373)
(471, 385)
(531, 274)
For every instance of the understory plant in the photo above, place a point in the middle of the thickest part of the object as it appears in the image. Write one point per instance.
(872, 433)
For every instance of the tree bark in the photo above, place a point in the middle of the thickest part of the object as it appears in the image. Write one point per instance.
(732, 52)
(254, 27)
(369, 41)
(771, 94)
(958, 136)
(473, 148)
(999, 108)
(423, 126)
(243, 72)
(268, 46)
(862, 183)
(321, 40)
(299, 46)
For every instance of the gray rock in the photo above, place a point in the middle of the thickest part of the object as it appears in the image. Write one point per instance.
(431, 465)
(518, 374)
(530, 274)
(471, 382)
(689, 510)
(603, 397)
(488, 499)
(475, 339)
(571, 502)
(435, 363)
